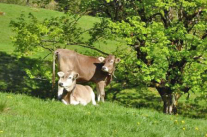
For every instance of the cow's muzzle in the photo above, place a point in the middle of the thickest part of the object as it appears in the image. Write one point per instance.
(60, 84)
(105, 69)
(59, 97)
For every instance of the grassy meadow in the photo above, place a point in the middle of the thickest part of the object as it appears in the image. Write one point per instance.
(27, 116)
(14, 11)
(126, 113)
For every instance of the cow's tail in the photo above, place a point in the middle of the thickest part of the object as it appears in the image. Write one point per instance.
(53, 69)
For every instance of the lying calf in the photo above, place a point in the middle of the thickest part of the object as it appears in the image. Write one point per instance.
(71, 93)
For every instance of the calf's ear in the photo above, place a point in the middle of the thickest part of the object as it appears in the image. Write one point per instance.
(101, 59)
(76, 75)
(60, 74)
(117, 60)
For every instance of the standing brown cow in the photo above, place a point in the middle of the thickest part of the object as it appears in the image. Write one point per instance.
(98, 70)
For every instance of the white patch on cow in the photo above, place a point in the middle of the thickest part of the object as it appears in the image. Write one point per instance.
(73, 102)
(64, 102)
(101, 59)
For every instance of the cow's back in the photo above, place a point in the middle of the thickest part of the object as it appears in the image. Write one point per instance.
(87, 67)
(83, 92)
(66, 59)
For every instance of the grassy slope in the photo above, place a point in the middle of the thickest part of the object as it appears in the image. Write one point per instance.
(26, 116)
(14, 11)
(11, 13)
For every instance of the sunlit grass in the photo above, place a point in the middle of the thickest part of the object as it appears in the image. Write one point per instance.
(14, 11)
(35, 117)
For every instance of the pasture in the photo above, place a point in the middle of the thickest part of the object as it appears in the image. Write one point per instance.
(127, 112)
(26, 116)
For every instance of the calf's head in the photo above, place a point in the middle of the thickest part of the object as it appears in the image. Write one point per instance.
(67, 82)
(109, 63)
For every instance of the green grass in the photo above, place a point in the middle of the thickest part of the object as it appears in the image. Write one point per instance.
(29, 116)
(11, 13)
(2, 106)
(14, 11)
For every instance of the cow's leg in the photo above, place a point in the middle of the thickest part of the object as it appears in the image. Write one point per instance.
(93, 98)
(64, 102)
(100, 88)
(73, 102)
(98, 93)
(60, 92)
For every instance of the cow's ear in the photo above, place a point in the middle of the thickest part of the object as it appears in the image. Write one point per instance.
(101, 59)
(76, 75)
(60, 74)
(117, 60)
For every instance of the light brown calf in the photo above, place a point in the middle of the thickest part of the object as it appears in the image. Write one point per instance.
(72, 93)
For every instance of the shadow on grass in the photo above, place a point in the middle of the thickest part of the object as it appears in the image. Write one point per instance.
(193, 110)
(138, 97)
(13, 77)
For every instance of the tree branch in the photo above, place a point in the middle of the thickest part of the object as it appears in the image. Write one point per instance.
(90, 47)
(51, 50)
(162, 18)
(47, 55)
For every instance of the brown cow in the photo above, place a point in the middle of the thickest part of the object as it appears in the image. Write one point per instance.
(74, 93)
(98, 70)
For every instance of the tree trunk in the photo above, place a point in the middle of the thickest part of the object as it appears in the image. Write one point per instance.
(27, 2)
(169, 104)
(169, 100)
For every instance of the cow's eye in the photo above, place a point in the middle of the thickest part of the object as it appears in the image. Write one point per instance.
(69, 77)
(111, 61)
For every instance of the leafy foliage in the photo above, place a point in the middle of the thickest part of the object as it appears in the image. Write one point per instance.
(169, 43)
(34, 35)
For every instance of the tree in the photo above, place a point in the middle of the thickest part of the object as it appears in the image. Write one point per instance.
(33, 36)
(169, 41)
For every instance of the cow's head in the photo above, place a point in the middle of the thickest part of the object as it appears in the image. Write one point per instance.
(109, 63)
(67, 82)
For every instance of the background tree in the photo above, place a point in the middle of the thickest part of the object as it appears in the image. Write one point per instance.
(33, 36)
(169, 41)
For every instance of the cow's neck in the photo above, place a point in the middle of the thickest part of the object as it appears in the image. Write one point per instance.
(70, 92)
(108, 79)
